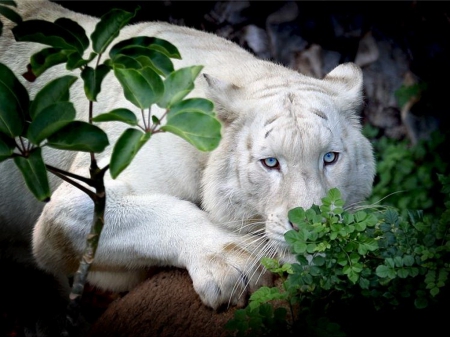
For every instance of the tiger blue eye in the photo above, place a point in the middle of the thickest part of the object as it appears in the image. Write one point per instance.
(271, 163)
(330, 157)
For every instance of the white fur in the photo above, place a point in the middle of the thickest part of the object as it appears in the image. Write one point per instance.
(215, 214)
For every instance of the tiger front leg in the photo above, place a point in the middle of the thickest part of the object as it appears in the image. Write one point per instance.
(142, 231)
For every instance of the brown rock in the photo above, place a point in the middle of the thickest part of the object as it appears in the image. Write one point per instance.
(156, 309)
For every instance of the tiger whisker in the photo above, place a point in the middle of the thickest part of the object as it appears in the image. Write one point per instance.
(250, 243)
(356, 206)
(254, 260)
(268, 251)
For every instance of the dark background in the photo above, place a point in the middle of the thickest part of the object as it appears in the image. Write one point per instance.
(402, 42)
(413, 35)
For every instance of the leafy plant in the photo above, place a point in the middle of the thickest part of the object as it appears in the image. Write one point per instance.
(382, 256)
(407, 175)
(143, 67)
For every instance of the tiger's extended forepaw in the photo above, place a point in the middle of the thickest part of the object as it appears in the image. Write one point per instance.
(227, 279)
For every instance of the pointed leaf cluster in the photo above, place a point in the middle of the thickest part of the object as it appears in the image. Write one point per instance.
(49, 118)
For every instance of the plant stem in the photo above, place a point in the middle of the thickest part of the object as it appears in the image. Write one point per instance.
(143, 120)
(99, 198)
(153, 129)
(80, 278)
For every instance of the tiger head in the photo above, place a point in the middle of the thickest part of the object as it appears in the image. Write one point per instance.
(287, 139)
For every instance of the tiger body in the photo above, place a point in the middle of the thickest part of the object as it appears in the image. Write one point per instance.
(286, 140)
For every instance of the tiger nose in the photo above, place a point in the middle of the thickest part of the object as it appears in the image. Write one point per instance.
(293, 226)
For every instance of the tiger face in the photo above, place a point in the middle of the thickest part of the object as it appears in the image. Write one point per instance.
(287, 140)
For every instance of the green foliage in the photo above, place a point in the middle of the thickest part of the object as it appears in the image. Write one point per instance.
(108, 28)
(126, 149)
(33, 170)
(384, 257)
(408, 92)
(407, 176)
(144, 69)
(142, 65)
(14, 102)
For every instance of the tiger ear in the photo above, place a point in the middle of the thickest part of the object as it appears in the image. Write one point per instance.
(346, 80)
(224, 95)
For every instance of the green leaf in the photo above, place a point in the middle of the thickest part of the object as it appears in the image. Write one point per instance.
(125, 149)
(118, 115)
(390, 262)
(398, 261)
(265, 294)
(364, 283)
(318, 260)
(353, 276)
(7, 146)
(360, 216)
(403, 272)
(311, 248)
(421, 303)
(292, 236)
(367, 245)
(270, 264)
(123, 61)
(334, 194)
(155, 120)
(14, 101)
(193, 104)
(297, 215)
(35, 175)
(198, 128)
(93, 80)
(141, 87)
(51, 119)
(75, 60)
(74, 29)
(178, 84)
(153, 43)
(383, 271)
(79, 136)
(47, 58)
(299, 247)
(159, 62)
(354, 257)
(47, 33)
(108, 28)
(391, 216)
(342, 259)
(53, 92)
(434, 291)
(10, 14)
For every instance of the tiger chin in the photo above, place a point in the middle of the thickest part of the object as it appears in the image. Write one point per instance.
(286, 140)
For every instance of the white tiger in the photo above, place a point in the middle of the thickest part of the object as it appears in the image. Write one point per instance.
(286, 140)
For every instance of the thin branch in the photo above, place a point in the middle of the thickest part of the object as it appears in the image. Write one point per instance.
(98, 60)
(91, 111)
(103, 170)
(94, 166)
(149, 117)
(29, 146)
(91, 194)
(22, 148)
(71, 175)
(22, 152)
(161, 119)
(143, 119)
